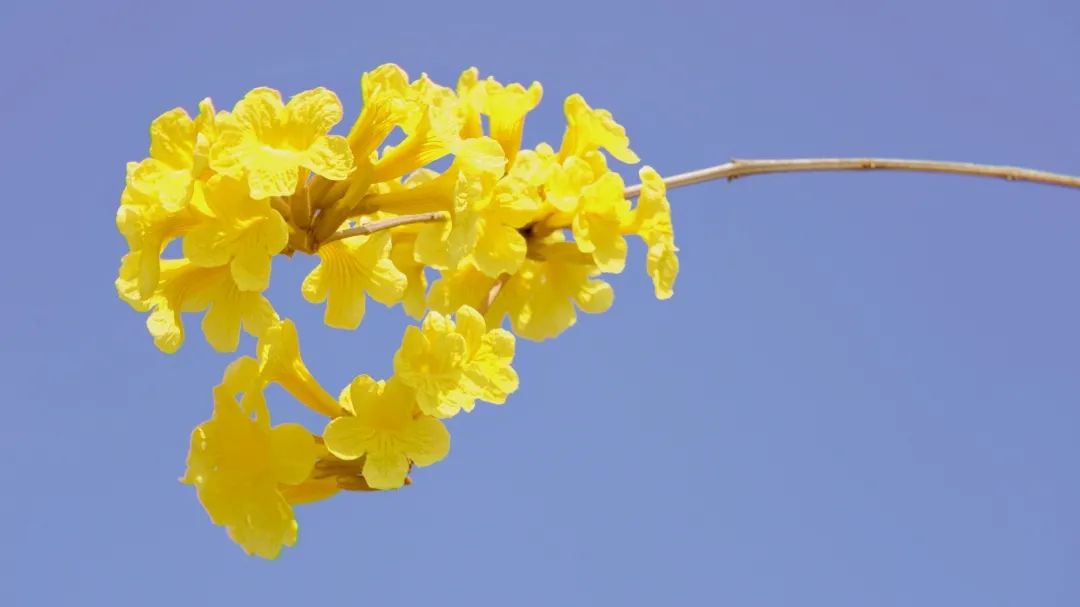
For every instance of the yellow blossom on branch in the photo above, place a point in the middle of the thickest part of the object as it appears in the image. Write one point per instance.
(238, 464)
(186, 287)
(169, 174)
(266, 142)
(449, 366)
(499, 232)
(590, 129)
(148, 227)
(280, 362)
(349, 269)
(651, 220)
(241, 232)
(387, 430)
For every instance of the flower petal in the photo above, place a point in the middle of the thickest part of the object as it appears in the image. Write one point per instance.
(294, 452)
(348, 437)
(385, 470)
(428, 441)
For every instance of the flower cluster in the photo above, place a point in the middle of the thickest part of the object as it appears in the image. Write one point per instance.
(511, 232)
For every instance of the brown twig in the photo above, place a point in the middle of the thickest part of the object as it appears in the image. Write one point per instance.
(385, 224)
(743, 168)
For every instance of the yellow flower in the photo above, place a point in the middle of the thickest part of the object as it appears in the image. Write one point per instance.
(127, 283)
(589, 129)
(470, 91)
(240, 232)
(566, 182)
(239, 464)
(387, 430)
(598, 222)
(280, 362)
(496, 244)
(186, 287)
(492, 226)
(488, 371)
(169, 174)
(463, 286)
(388, 101)
(347, 270)
(651, 220)
(148, 227)
(540, 298)
(432, 128)
(506, 107)
(403, 254)
(535, 166)
(467, 184)
(266, 143)
(450, 366)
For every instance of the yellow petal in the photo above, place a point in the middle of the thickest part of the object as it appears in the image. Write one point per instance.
(294, 452)
(428, 441)
(507, 107)
(662, 265)
(309, 491)
(242, 375)
(316, 110)
(348, 269)
(267, 527)
(250, 270)
(347, 437)
(595, 297)
(499, 250)
(261, 111)
(589, 129)
(385, 469)
(330, 157)
(172, 139)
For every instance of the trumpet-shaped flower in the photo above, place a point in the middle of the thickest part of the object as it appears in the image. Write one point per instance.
(266, 142)
(540, 298)
(566, 183)
(598, 222)
(489, 228)
(169, 174)
(147, 227)
(387, 430)
(466, 186)
(506, 107)
(589, 129)
(127, 283)
(470, 92)
(433, 130)
(347, 270)
(280, 362)
(388, 101)
(240, 232)
(239, 464)
(449, 366)
(651, 220)
(186, 287)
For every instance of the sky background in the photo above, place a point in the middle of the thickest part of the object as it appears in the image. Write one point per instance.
(864, 392)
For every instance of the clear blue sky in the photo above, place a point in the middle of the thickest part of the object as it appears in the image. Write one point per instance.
(865, 391)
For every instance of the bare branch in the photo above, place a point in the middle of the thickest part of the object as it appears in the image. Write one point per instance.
(385, 224)
(742, 168)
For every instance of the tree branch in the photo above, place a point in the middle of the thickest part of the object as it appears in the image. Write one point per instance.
(385, 224)
(742, 168)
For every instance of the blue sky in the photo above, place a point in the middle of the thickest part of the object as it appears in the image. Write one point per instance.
(865, 391)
